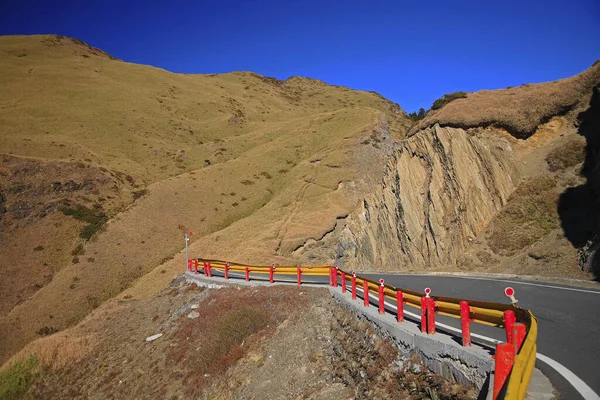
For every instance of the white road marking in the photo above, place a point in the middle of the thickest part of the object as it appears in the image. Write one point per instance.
(582, 388)
(509, 281)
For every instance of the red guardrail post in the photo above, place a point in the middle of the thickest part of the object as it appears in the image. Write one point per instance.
(518, 335)
(353, 285)
(505, 358)
(196, 266)
(509, 321)
(366, 293)
(343, 282)
(226, 270)
(247, 274)
(381, 297)
(189, 265)
(400, 305)
(209, 270)
(465, 319)
(271, 268)
(299, 276)
(335, 276)
(424, 314)
(431, 316)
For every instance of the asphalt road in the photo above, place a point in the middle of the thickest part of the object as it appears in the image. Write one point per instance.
(568, 320)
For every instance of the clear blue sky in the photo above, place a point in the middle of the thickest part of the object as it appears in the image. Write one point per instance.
(410, 51)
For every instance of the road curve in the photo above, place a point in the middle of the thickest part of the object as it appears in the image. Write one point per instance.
(568, 321)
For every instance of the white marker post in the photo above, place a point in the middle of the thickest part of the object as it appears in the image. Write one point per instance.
(381, 296)
(187, 258)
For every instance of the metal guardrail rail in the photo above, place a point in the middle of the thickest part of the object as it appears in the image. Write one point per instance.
(514, 360)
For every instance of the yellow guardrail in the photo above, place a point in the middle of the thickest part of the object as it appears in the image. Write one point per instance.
(486, 313)
(524, 364)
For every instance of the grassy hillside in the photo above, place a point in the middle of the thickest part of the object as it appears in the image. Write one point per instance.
(107, 163)
(519, 110)
(63, 101)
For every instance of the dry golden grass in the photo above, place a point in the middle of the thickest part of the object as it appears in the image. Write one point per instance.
(37, 240)
(73, 104)
(272, 158)
(566, 155)
(54, 352)
(529, 215)
(519, 110)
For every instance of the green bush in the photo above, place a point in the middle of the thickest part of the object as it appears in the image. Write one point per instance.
(16, 379)
(414, 116)
(447, 98)
(95, 219)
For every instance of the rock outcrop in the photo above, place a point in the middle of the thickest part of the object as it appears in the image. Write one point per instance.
(441, 187)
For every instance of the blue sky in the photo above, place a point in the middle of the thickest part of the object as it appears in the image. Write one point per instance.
(410, 51)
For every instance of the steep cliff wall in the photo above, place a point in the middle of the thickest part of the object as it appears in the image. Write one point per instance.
(441, 187)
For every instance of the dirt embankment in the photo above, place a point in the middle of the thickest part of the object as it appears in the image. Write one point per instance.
(282, 342)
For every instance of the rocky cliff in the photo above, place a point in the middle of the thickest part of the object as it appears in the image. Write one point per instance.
(500, 181)
(440, 189)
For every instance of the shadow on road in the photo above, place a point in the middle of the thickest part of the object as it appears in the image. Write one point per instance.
(579, 207)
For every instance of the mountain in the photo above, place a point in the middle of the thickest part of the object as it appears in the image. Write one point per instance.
(107, 164)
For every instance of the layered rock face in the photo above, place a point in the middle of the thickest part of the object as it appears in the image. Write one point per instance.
(441, 187)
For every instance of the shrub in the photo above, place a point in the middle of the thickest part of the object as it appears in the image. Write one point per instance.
(529, 215)
(447, 98)
(16, 379)
(566, 156)
(46, 330)
(38, 248)
(77, 251)
(95, 219)
(139, 193)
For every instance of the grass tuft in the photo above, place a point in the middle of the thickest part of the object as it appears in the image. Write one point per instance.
(16, 379)
(529, 215)
(46, 331)
(566, 156)
(139, 193)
